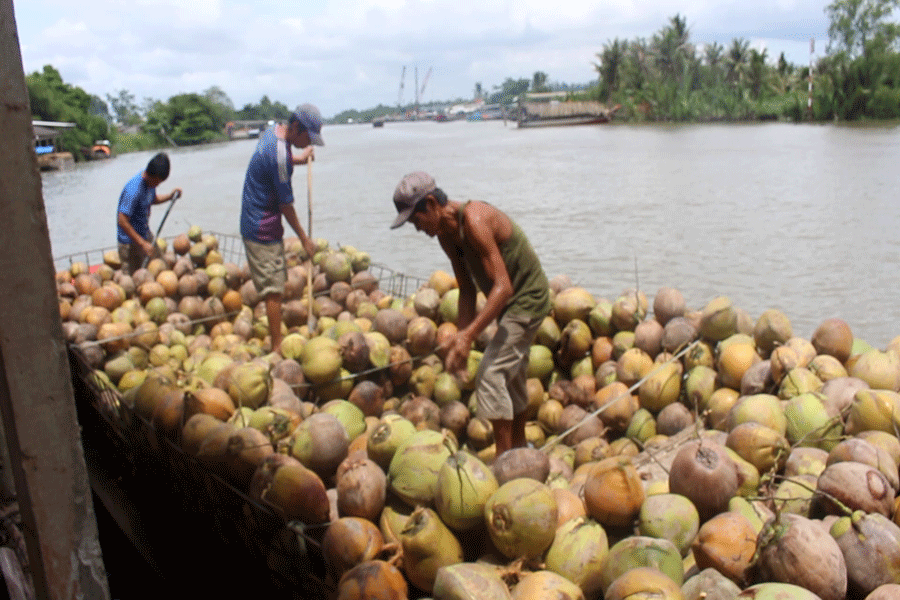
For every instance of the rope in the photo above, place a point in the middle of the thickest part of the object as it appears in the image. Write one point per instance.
(674, 357)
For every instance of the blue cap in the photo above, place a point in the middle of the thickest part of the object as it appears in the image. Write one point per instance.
(311, 119)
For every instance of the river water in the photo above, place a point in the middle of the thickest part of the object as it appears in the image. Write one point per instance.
(802, 218)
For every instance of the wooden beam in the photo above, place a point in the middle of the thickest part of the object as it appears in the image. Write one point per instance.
(36, 398)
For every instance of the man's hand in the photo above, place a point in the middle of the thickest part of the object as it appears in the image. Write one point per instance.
(309, 247)
(148, 248)
(304, 156)
(457, 357)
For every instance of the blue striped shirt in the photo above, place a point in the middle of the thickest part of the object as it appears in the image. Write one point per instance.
(267, 186)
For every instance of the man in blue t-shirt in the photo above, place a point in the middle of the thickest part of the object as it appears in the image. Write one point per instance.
(133, 217)
(267, 197)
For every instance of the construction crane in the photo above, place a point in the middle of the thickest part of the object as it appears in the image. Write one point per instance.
(420, 91)
(400, 94)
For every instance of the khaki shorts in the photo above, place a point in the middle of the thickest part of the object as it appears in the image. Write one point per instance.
(268, 269)
(501, 390)
(132, 258)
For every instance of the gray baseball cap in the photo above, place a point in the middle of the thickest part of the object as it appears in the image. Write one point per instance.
(412, 188)
(311, 119)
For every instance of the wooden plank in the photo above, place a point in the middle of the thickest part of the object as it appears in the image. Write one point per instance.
(36, 398)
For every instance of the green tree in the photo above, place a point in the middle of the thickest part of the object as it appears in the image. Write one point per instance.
(51, 99)
(124, 107)
(858, 27)
(186, 118)
(609, 66)
(539, 82)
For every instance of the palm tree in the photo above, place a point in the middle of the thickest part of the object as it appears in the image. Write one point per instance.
(736, 62)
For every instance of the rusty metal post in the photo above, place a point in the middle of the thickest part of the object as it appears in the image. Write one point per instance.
(36, 397)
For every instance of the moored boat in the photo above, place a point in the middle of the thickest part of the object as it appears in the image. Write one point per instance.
(544, 114)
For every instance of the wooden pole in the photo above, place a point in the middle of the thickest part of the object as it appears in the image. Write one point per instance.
(36, 398)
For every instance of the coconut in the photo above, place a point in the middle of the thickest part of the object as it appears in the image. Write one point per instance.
(586, 425)
(661, 388)
(628, 310)
(361, 488)
(600, 318)
(801, 552)
(776, 591)
(648, 336)
(422, 411)
(348, 542)
(881, 370)
(197, 428)
(320, 442)
(464, 484)
(545, 584)
(677, 333)
(668, 304)
(673, 418)
(249, 384)
(727, 543)
(833, 337)
(870, 544)
(718, 320)
(578, 553)
(763, 447)
(427, 546)
(384, 439)
(871, 409)
(521, 518)
(703, 472)
(414, 467)
(540, 362)
(521, 462)
(709, 584)
(372, 580)
(643, 582)
(573, 303)
(613, 492)
(212, 401)
(669, 516)
(575, 342)
(765, 409)
(641, 551)
(856, 486)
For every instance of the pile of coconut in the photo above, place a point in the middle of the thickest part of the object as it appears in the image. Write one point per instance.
(673, 453)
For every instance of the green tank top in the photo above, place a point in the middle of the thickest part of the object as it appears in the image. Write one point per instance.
(531, 291)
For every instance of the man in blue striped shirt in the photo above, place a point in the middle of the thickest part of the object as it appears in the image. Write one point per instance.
(267, 197)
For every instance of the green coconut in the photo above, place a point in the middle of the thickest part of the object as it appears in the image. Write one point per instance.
(321, 360)
(669, 516)
(470, 581)
(414, 467)
(427, 546)
(643, 582)
(761, 446)
(250, 384)
(464, 485)
(600, 318)
(548, 333)
(337, 267)
(448, 309)
(642, 551)
(661, 388)
(578, 553)
(772, 328)
(350, 416)
(877, 410)
(808, 423)
(521, 518)
(718, 320)
(384, 439)
(799, 380)
(881, 370)
(540, 362)
(760, 408)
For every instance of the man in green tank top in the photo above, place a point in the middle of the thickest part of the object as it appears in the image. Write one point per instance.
(488, 252)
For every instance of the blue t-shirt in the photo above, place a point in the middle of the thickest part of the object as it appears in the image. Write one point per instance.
(267, 186)
(134, 203)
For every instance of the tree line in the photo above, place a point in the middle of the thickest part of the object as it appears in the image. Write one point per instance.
(664, 78)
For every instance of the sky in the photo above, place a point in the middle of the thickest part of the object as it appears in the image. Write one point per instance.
(350, 54)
